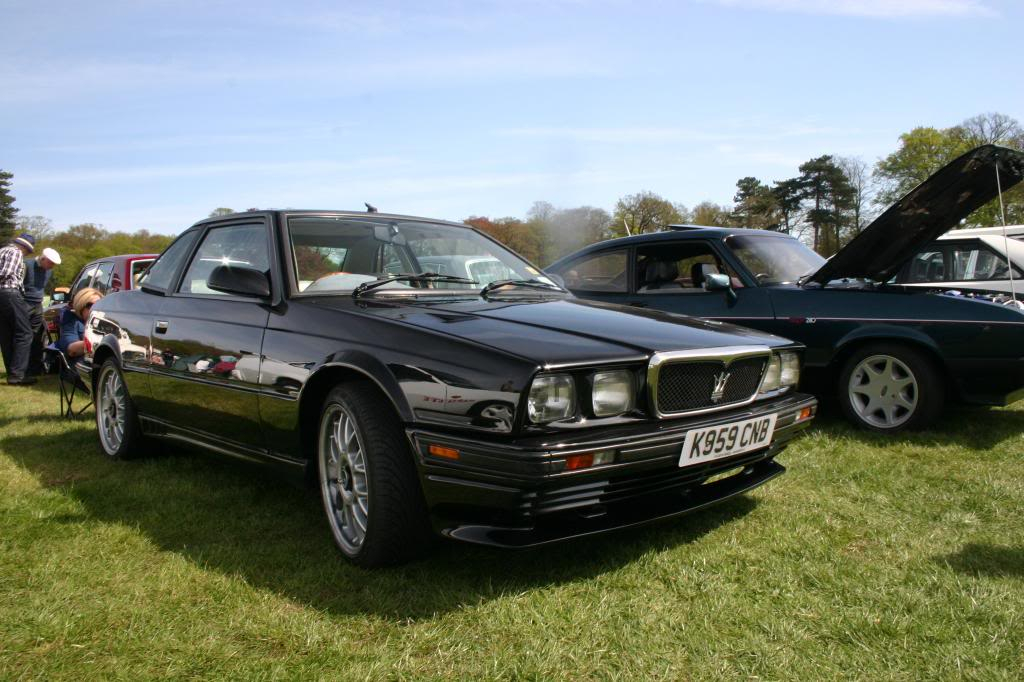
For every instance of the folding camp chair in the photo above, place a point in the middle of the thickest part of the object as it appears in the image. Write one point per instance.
(70, 384)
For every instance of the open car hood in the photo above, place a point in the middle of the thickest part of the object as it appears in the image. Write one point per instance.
(932, 208)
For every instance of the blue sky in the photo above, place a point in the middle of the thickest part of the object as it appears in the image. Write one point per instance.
(149, 114)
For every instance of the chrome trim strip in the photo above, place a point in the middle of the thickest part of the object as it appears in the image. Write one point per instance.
(902, 320)
(726, 355)
(596, 364)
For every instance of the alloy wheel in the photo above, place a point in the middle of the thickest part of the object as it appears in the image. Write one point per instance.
(110, 410)
(343, 479)
(883, 391)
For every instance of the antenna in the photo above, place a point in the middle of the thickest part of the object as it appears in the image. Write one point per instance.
(1006, 241)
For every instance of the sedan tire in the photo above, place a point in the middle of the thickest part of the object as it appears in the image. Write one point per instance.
(368, 480)
(116, 420)
(889, 388)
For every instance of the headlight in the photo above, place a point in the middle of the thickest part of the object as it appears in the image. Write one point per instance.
(552, 397)
(612, 393)
(783, 372)
(772, 375)
(790, 375)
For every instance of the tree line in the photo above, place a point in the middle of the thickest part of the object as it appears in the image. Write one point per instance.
(830, 200)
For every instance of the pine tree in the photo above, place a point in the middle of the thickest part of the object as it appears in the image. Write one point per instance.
(7, 209)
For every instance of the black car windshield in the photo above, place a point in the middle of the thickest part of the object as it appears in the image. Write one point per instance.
(337, 254)
(774, 259)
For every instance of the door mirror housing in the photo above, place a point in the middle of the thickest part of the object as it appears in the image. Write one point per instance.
(241, 281)
(716, 282)
(719, 282)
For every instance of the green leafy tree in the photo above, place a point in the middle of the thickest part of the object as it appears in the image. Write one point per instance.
(923, 151)
(711, 214)
(7, 210)
(646, 212)
(221, 211)
(80, 244)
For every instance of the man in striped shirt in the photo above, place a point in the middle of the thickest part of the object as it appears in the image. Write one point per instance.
(15, 330)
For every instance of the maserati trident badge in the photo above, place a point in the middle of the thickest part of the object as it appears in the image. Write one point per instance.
(720, 381)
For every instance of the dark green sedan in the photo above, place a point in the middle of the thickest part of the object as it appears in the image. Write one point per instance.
(893, 355)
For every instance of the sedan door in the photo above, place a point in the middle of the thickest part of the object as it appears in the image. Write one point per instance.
(671, 277)
(206, 343)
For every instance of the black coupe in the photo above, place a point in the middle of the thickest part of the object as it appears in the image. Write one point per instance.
(431, 379)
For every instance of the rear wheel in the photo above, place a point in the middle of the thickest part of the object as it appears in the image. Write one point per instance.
(889, 388)
(368, 482)
(116, 420)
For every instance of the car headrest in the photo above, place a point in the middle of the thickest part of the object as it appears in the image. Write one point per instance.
(699, 271)
(661, 271)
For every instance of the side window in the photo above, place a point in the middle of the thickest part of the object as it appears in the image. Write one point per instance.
(974, 262)
(137, 268)
(101, 282)
(241, 245)
(926, 266)
(603, 272)
(162, 271)
(84, 280)
(679, 268)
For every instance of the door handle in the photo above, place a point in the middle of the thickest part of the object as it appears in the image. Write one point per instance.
(160, 327)
(639, 304)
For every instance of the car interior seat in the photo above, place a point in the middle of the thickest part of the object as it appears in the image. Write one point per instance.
(700, 271)
(659, 274)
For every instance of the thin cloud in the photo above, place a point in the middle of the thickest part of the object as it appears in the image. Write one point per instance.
(40, 81)
(100, 176)
(661, 135)
(870, 8)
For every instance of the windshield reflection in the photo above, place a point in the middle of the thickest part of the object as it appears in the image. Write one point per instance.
(337, 254)
(774, 259)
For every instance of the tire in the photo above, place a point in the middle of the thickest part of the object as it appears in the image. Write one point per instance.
(368, 482)
(890, 388)
(117, 422)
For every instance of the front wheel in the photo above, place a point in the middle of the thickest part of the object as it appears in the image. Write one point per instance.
(116, 420)
(889, 388)
(368, 482)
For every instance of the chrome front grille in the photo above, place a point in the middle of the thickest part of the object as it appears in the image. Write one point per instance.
(692, 382)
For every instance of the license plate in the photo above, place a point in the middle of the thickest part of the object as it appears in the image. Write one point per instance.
(715, 442)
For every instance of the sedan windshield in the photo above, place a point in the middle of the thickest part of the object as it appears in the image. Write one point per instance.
(774, 259)
(337, 254)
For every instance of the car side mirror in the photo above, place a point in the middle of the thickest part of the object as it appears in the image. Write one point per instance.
(242, 281)
(57, 298)
(719, 282)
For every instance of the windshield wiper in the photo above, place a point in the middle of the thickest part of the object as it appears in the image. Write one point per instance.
(529, 283)
(421, 277)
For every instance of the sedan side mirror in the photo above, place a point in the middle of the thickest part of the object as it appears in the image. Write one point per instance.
(242, 281)
(720, 282)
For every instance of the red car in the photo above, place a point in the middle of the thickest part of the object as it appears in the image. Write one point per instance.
(107, 275)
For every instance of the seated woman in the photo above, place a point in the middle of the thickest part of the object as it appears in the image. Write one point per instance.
(72, 323)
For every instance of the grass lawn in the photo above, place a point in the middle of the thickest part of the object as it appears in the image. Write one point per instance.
(871, 558)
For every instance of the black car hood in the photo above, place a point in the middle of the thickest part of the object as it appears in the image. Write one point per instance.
(932, 208)
(566, 331)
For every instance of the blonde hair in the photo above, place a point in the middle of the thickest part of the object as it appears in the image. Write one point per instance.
(83, 298)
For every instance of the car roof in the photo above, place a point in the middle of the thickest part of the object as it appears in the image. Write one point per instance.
(123, 256)
(674, 233)
(1011, 230)
(284, 213)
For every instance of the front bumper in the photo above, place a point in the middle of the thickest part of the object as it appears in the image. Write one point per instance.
(518, 494)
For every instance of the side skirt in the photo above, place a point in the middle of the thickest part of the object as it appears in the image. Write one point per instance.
(290, 466)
